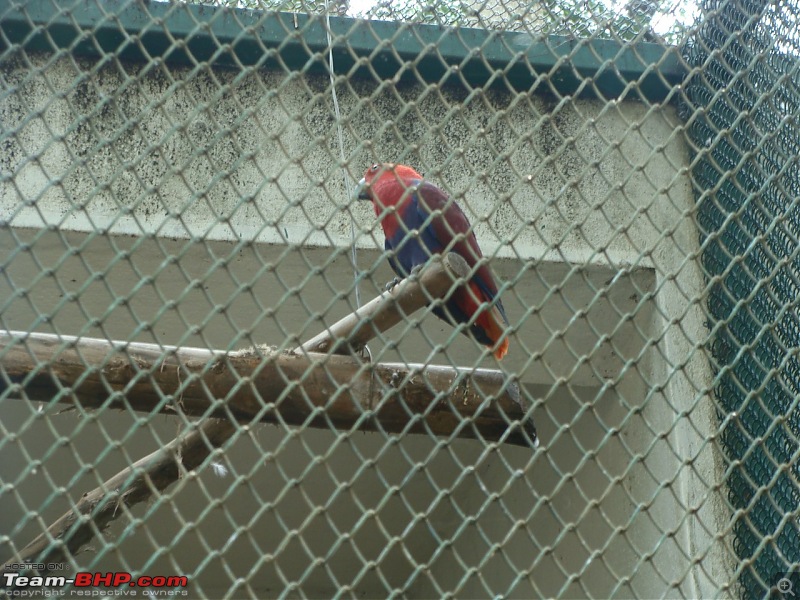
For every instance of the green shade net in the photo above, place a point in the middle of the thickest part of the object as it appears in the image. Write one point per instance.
(742, 104)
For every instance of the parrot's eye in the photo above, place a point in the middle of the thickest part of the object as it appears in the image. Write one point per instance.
(375, 167)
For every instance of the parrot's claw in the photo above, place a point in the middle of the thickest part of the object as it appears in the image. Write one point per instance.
(391, 285)
(414, 273)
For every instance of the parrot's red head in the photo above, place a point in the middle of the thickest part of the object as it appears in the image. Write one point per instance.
(386, 185)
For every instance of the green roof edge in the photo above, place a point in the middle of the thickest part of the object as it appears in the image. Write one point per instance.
(139, 30)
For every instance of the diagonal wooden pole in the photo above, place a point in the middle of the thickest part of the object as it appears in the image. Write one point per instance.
(353, 332)
(96, 509)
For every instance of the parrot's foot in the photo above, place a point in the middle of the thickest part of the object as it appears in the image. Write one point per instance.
(414, 273)
(391, 285)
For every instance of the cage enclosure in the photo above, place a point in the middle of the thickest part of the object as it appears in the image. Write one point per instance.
(183, 175)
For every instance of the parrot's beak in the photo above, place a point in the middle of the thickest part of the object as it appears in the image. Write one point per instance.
(362, 191)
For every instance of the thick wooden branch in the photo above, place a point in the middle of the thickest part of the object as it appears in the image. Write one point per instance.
(353, 332)
(305, 387)
(311, 389)
(98, 508)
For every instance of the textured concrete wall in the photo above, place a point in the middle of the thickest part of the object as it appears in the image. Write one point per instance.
(134, 150)
(585, 206)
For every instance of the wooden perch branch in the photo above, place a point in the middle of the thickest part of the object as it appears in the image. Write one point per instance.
(299, 388)
(387, 310)
(96, 509)
(312, 389)
(306, 387)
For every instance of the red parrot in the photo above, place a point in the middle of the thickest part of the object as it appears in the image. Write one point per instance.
(425, 222)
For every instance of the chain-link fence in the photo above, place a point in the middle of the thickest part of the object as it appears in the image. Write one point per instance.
(206, 377)
(742, 110)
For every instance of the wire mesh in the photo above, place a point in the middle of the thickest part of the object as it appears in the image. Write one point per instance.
(179, 213)
(744, 101)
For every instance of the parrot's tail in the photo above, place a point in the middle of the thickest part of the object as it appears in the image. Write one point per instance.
(497, 332)
(502, 349)
(494, 325)
(489, 327)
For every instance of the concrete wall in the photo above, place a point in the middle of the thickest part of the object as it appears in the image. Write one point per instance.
(198, 207)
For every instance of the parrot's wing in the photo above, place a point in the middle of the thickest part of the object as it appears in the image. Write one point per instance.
(448, 222)
(392, 259)
(451, 227)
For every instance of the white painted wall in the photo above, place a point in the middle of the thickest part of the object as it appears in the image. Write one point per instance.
(220, 192)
